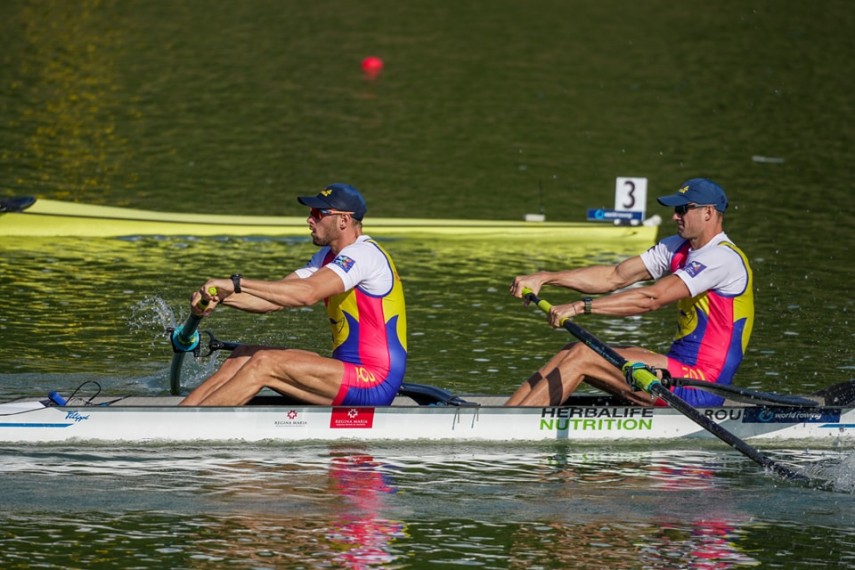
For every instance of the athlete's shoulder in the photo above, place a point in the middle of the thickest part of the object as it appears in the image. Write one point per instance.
(664, 249)
(319, 257)
(723, 246)
(724, 241)
(357, 248)
(671, 243)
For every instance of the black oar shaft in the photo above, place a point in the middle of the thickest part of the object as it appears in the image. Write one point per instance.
(648, 381)
(683, 407)
(590, 340)
(743, 394)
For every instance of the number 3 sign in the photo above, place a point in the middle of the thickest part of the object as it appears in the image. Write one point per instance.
(631, 195)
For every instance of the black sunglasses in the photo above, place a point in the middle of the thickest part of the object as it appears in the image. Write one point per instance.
(319, 214)
(681, 210)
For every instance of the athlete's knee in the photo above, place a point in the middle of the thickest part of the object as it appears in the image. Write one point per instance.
(266, 358)
(577, 352)
(244, 350)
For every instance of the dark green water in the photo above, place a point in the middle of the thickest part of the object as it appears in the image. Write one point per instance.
(483, 110)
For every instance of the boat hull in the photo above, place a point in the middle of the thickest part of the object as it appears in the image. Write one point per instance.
(54, 218)
(160, 420)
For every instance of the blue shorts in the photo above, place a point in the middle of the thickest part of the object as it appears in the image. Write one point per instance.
(361, 386)
(692, 396)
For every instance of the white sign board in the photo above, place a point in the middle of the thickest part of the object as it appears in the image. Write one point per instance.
(631, 195)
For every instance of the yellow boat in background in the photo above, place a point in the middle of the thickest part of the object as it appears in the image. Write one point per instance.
(30, 217)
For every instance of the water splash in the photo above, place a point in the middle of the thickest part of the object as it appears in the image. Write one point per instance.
(153, 318)
(837, 471)
(150, 313)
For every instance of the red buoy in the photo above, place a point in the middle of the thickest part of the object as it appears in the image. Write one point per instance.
(372, 66)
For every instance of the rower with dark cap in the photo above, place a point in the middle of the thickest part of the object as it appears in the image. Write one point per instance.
(699, 269)
(360, 287)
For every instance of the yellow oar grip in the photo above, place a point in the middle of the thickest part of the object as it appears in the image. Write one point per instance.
(204, 302)
(641, 375)
(543, 305)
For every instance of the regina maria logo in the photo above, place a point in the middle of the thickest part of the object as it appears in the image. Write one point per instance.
(353, 418)
(291, 419)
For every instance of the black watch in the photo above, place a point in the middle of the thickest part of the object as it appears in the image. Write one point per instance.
(236, 282)
(587, 301)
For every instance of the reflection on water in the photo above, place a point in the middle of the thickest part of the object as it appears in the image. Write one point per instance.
(708, 545)
(379, 506)
(359, 532)
(72, 71)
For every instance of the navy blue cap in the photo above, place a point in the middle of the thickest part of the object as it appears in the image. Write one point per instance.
(338, 196)
(699, 191)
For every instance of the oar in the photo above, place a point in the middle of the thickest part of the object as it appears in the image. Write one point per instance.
(744, 395)
(647, 381)
(842, 394)
(185, 338)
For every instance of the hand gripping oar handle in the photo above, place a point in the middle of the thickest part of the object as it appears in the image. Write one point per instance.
(647, 381)
(185, 337)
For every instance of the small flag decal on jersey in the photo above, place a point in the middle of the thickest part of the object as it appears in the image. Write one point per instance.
(344, 262)
(694, 268)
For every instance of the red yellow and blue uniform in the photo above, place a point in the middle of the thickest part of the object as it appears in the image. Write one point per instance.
(715, 323)
(368, 322)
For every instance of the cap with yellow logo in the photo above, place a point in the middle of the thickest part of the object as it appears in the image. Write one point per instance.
(339, 196)
(700, 191)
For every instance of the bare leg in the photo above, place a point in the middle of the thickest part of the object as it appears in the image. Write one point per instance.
(548, 378)
(575, 363)
(229, 368)
(304, 375)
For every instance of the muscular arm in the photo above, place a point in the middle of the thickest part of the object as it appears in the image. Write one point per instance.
(632, 302)
(667, 290)
(259, 296)
(595, 279)
(599, 279)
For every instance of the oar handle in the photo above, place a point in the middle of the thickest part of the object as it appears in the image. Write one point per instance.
(542, 304)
